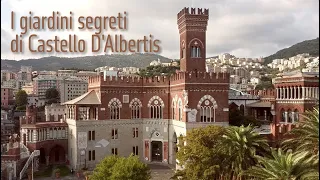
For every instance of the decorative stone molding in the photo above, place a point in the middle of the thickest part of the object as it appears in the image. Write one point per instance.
(113, 101)
(134, 101)
(158, 100)
(209, 98)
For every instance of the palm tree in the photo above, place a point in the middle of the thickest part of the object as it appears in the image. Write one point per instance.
(305, 137)
(284, 166)
(242, 144)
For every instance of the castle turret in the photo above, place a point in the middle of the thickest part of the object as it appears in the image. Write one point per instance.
(192, 24)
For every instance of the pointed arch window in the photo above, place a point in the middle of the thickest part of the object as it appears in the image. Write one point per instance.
(156, 106)
(283, 115)
(114, 107)
(207, 106)
(195, 51)
(135, 106)
(180, 109)
(173, 109)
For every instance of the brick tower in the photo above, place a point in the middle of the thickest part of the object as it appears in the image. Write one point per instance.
(192, 28)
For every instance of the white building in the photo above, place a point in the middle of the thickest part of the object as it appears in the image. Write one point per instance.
(47, 73)
(55, 112)
(33, 99)
(255, 80)
(66, 73)
(12, 83)
(28, 88)
(130, 70)
(84, 75)
(72, 87)
(155, 63)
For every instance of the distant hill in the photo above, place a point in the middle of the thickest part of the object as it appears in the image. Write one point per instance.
(88, 62)
(308, 46)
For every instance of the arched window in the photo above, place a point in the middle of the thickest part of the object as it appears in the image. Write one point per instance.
(207, 106)
(135, 106)
(283, 115)
(156, 106)
(115, 106)
(195, 51)
(180, 109)
(296, 115)
(173, 109)
(54, 133)
(182, 55)
(195, 46)
(290, 116)
(63, 133)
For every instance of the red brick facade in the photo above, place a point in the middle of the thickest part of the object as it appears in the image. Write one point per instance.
(44, 136)
(291, 97)
(192, 79)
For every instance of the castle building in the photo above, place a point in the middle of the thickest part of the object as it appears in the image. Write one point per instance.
(144, 116)
(295, 94)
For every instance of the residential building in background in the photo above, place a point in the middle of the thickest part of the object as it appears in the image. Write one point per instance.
(42, 83)
(7, 97)
(28, 88)
(55, 112)
(72, 87)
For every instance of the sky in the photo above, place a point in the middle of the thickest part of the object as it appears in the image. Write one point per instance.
(244, 28)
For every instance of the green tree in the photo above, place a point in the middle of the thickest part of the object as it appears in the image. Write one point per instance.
(21, 98)
(284, 166)
(52, 95)
(130, 168)
(305, 137)
(242, 144)
(264, 85)
(158, 71)
(121, 168)
(201, 156)
(103, 170)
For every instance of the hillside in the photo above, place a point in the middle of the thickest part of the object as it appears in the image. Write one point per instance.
(88, 62)
(308, 46)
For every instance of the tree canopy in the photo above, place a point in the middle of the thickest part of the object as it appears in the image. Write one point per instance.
(284, 165)
(21, 99)
(265, 83)
(158, 71)
(240, 153)
(52, 95)
(121, 168)
(214, 152)
(201, 157)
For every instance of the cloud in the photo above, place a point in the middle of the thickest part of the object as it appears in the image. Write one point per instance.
(245, 28)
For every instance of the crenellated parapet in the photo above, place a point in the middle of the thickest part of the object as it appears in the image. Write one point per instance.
(179, 77)
(128, 81)
(193, 19)
(192, 11)
(200, 77)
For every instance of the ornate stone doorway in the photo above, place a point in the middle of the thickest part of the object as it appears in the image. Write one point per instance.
(156, 151)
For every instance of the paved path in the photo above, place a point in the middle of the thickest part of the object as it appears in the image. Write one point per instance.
(158, 172)
(161, 172)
